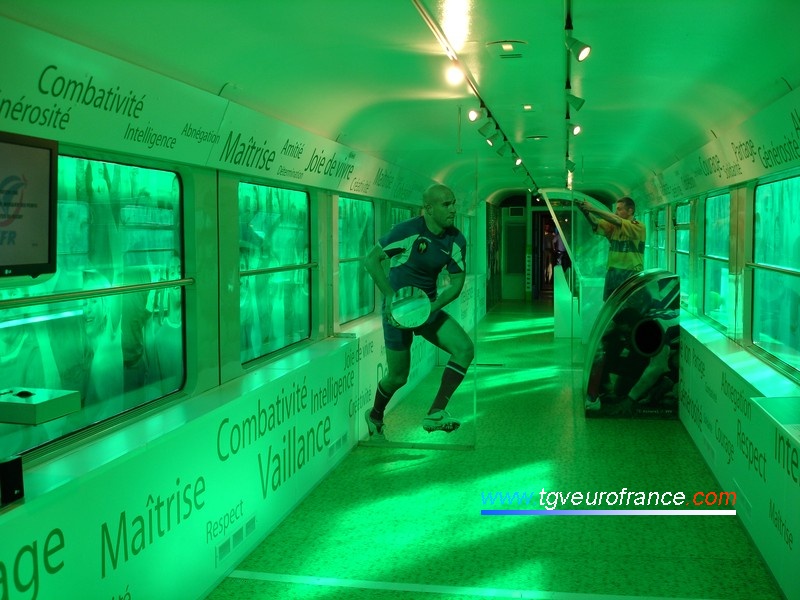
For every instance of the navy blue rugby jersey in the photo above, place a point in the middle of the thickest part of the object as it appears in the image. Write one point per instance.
(417, 256)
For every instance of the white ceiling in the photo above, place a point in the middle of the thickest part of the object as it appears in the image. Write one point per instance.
(662, 75)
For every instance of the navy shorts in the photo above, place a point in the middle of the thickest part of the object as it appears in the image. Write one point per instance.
(400, 339)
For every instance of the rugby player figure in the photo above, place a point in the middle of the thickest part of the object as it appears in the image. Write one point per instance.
(418, 250)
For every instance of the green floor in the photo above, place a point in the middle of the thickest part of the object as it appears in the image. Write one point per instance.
(404, 520)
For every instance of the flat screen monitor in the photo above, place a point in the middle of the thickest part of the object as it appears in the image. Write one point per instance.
(28, 196)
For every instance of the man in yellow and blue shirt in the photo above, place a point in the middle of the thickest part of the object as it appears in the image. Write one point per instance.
(626, 237)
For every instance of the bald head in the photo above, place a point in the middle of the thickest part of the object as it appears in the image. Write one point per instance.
(436, 193)
(439, 207)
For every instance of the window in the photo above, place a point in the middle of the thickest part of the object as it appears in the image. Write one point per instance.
(656, 248)
(400, 214)
(680, 244)
(776, 270)
(465, 225)
(274, 269)
(118, 226)
(715, 259)
(356, 238)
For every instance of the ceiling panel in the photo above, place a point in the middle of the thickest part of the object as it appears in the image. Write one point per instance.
(661, 78)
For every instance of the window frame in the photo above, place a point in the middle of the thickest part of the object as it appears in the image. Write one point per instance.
(75, 430)
(308, 267)
(343, 320)
(752, 268)
(705, 259)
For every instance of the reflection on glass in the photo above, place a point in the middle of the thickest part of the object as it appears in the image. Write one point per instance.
(493, 276)
(715, 286)
(465, 224)
(776, 315)
(273, 234)
(717, 228)
(166, 306)
(117, 225)
(79, 345)
(682, 240)
(274, 311)
(655, 244)
(661, 246)
(715, 272)
(661, 218)
(682, 214)
(399, 214)
(356, 238)
(776, 295)
(681, 244)
(777, 225)
(682, 270)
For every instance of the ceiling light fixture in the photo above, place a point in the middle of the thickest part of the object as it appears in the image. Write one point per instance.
(574, 101)
(504, 149)
(579, 50)
(487, 128)
(495, 139)
(576, 129)
(477, 114)
(490, 129)
(454, 75)
(492, 132)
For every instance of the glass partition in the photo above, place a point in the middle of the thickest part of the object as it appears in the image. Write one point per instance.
(579, 299)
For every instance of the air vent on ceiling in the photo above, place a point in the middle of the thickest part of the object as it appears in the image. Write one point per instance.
(507, 48)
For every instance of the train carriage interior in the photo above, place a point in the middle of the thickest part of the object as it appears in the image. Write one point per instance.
(191, 338)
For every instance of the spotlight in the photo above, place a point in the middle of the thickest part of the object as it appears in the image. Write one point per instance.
(575, 128)
(517, 160)
(454, 75)
(574, 101)
(570, 166)
(487, 128)
(495, 139)
(578, 48)
(504, 149)
(476, 114)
